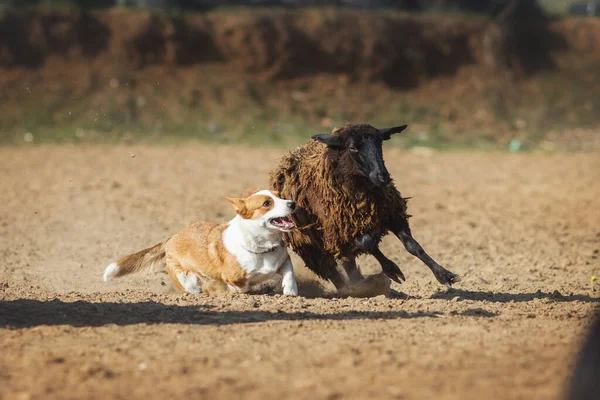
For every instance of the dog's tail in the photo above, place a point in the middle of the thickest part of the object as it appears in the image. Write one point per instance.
(144, 259)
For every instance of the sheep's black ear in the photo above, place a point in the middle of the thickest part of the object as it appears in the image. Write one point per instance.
(332, 141)
(388, 132)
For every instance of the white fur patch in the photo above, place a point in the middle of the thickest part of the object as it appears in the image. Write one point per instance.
(189, 282)
(290, 288)
(234, 289)
(110, 271)
(258, 247)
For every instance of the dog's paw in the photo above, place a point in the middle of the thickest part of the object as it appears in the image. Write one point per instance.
(193, 287)
(290, 289)
(190, 282)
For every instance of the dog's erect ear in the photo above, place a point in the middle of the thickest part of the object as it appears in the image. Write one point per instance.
(250, 192)
(386, 133)
(332, 141)
(238, 205)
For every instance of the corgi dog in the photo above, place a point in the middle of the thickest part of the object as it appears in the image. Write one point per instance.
(245, 251)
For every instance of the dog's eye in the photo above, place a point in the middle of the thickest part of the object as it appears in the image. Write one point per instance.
(267, 203)
(353, 148)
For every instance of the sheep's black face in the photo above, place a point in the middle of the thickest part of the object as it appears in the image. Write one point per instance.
(367, 153)
(364, 145)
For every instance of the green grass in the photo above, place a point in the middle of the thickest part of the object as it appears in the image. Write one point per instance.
(552, 7)
(564, 104)
(555, 7)
(234, 110)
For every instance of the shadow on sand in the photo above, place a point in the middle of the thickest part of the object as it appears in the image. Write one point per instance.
(30, 313)
(510, 297)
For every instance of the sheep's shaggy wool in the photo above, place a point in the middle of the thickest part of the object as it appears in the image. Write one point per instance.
(335, 203)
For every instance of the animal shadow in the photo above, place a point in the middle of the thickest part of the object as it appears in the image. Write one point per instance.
(512, 297)
(26, 313)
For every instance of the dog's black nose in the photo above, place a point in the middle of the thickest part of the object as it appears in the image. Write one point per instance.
(292, 205)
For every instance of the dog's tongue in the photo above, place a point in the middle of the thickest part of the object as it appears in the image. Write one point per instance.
(283, 223)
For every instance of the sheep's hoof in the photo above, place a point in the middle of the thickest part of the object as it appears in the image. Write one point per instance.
(394, 294)
(447, 278)
(393, 272)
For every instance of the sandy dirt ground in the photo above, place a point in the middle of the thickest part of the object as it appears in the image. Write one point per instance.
(523, 231)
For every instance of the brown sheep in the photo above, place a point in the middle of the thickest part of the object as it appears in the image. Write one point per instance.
(346, 202)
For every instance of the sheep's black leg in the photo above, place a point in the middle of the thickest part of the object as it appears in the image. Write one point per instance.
(352, 271)
(336, 278)
(367, 243)
(402, 231)
(322, 264)
(413, 247)
(328, 270)
(388, 266)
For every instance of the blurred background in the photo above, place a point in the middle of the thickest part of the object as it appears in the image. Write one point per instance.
(509, 74)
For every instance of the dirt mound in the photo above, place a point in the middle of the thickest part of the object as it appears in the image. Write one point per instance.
(284, 72)
(397, 49)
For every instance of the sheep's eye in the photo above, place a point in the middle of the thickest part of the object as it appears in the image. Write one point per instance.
(353, 148)
(267, 203)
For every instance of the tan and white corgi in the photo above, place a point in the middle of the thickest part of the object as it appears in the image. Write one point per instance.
(247, 250)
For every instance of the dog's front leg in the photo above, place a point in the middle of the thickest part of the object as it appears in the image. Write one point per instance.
(290, 287)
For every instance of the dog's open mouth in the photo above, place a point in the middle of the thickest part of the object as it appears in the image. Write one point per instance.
(283, 223)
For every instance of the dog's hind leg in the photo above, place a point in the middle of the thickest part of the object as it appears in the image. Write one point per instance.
(190, 282)
(185, 281)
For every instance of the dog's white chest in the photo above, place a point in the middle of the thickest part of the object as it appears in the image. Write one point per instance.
(262, 264)
(250, 245)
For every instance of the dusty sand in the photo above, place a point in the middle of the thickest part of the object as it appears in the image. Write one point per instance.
(522, 230)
